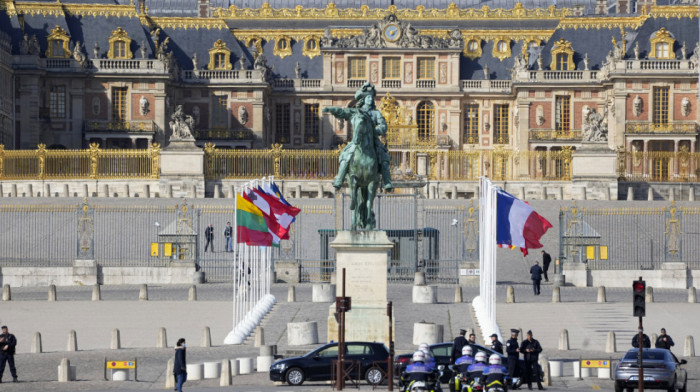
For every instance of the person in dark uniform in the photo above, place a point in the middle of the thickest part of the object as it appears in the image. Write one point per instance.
(496, 345)
(459, 342)
(536, 276)
(209, 236)
(646, 343)
(8, 342)
(513, 352)
(531, 350)
(546, 260)
(664, 341)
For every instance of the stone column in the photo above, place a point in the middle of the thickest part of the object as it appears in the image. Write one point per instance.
(644, 159)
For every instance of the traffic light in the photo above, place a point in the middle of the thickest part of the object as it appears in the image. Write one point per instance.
(639, 288)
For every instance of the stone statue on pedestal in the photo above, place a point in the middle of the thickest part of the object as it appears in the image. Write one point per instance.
(181, 125)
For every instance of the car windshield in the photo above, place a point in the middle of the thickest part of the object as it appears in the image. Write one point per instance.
(650, 355)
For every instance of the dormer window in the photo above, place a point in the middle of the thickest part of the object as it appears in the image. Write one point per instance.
(472, 49)
(220, 56)
(501, 49)
(662, 43)
(119, 45)
(562, 56)
(58, 44)
(312, 47)
(283, 46)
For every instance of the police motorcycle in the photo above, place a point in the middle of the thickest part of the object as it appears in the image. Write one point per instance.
(475, 371)
(421, 375)
(460, 381)
(493, 378)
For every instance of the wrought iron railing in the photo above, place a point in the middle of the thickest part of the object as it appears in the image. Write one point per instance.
(222, 134)
(658, 166)
(501, 165)
(553, 135)
(646, 127)
(120, 126)
(93, 163)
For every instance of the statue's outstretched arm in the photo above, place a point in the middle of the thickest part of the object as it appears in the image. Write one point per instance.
(343, 113)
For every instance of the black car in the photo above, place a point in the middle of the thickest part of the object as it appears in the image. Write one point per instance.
(442, 352)
(316, 365)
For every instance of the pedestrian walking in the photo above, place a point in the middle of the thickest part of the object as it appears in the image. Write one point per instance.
(536, 276)
(531, 350)
(546, 260)
(646, 343)
(457, 345)
(228, 235)
(496, 345)
(664, 341)
(209, 236)
(8, 342)
(180, 364)
(513, 352)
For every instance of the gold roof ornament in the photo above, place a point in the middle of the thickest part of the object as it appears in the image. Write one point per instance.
(58, 34)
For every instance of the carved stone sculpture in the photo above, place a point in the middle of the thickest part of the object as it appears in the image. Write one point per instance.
(684, 51)
(24, 45)
(297, 71)
(695, 57)
(78, 55)
(262, 66)
(242, 115)
(637, 106)
(143, 106)
(196, 115)
(34, 45)
(96, 51)
(195, 66)
(143, 49)
(685, 106)
(586, 62)
(595, 128)
(181, 125)
(519, 65)
(539, 115)
(636, 50)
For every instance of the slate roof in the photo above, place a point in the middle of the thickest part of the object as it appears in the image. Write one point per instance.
(596, 42)
(185, 43)
(681, 29)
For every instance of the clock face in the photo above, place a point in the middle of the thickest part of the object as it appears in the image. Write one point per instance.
(392, 32)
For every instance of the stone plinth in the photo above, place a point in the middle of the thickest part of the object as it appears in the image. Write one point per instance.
(364, 255)
(182, 170)
(594, 172)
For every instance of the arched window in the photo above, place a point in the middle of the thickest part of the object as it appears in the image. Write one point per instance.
(562, 56)
(119, 44)
(283, 46)
(472, 49)
(58, 44)
(426, 119)
(220, 56)
(662, 43)
(312, 47)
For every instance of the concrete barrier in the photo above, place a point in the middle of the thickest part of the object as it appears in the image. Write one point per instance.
(323, 293)
(419, 278)
(424, 294)
(267, 351)
(169, 377)
(653, 339)
(192, 293)
(234, 367)
(143, 293)
(225, 379)
(36, 347)
(162, 339)
(556, 295)
(120, 374)
(649, 297)
(564, 340)
(72, 341)
(301, 334)
(52, 292)
(630, 194)
(206, 337)
(544, 363)
(291, 294)
(212, 370)
(650, 194)
(510, 295)
(259, 333)
(458, 295)
(430, 333)
(689, 350)
(66, 371)
(116, 342)
(692, 298)
(556, 369)
(601, 295)
(245, 365)
(217, 191)
(6, 293)
(611, 344)
(96, 293)
(604, 373)
(263, 363)
(195, 371)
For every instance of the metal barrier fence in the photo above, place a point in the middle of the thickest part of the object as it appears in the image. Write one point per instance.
(93, 163)
(630, 238)
(658, 166)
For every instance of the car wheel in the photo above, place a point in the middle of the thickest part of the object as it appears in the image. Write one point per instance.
(295, 376)
(374, 376)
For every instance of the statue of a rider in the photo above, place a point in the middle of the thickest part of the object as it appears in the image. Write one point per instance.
(365, 104)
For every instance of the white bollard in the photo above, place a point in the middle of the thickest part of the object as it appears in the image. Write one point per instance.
(301, 334)
(510, 295)
(6, 293)
(234, 367)
(323, 293)
(245, 365)
(556, 295)
(430, 333)
(162, 339)
(116, 342)
(630, 194)
(194, 371)
(458, 294)
(556, 368)
(689, 350)
(225, 380)
(263, 363)
(36, 347)
(64, 371)
(610, 344)
(72, 341)
(259, 336)
(212, 370)
(52, 292)
(692, 297)
(143, 293)
(169, 377)
(601, 295)
(206, 337)
(192, 294)
(604, 373)
(291, 294)
(577, 369)
(649, 297)
(424, 294)
(120, 374)
(96, 293)
(585, 372)
(564, 340)
(544, 363)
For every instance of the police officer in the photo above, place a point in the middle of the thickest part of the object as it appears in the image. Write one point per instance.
(531, 350)
(494, 373)
(418, 370)
(8, 342)
(513, 351)
(496, 345)
(459, 342)
(646, 343)
(664, 341)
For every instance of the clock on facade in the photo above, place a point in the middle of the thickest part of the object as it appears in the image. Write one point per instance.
(392, 32)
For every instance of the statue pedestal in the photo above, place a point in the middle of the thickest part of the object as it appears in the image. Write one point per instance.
(594, 171)
(364, 255)
(182, 170)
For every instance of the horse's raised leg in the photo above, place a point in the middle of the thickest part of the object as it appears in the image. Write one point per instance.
(353, 206)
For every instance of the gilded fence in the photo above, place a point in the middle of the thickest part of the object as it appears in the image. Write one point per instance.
(92, 163)
(658, 166)
(502, 165)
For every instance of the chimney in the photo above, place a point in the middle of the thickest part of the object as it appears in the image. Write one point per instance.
(601, 7)
(204, 8)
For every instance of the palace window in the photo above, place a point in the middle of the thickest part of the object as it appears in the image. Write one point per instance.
(660, 113)
(58, 44)
(119, 45)
(426, 68)
(662, 43)
(119, 104)
(311, 123)
(219, 61)
(391, 68)
(283, 47)
(471, 123)
(501, 50)
(220, 56)
(426, 119)
(562, 56)
(220, 111)
(311, 47)
(472, 49)
(282, 123)
(500, 124)
(357, 68)
(57, 102)
(562, 62)
(562, 121)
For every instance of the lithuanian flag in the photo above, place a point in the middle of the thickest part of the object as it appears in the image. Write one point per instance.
(251, 228)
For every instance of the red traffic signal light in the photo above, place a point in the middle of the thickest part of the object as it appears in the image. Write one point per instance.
(639, 286)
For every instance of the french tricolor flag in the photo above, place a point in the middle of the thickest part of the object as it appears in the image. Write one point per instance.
(517, 224)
